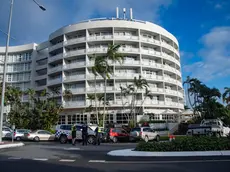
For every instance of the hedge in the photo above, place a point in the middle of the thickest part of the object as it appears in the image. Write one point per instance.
(187, 144)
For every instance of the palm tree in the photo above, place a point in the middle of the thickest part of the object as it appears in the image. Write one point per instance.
(147, 94)
(67, 94)
(113, 55)
(91, 98)
(226, 95)
(139, 84)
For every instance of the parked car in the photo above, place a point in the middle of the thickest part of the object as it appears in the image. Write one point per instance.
(18, 134)
(5, 131)
(118, 134)
(63, 133)
(38, 135)
(144, 133)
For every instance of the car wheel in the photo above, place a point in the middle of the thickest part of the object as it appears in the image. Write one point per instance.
(18, 138)
(36, 139)
(157, 138)
(114, 139)
(91, 139)
(63, 139)
(146, 139)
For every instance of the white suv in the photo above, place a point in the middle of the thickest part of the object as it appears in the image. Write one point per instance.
(144, 133)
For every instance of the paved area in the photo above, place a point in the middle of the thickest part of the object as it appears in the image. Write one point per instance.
(57, 157)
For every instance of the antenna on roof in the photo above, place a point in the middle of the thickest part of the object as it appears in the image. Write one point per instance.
(117, 13)
(131, 14)
(124, 11)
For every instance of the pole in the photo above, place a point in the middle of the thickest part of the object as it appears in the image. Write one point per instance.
(4, 70)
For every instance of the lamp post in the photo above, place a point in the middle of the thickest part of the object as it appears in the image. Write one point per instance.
(5, 63)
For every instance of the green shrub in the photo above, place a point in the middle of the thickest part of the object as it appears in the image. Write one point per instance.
(186, 144)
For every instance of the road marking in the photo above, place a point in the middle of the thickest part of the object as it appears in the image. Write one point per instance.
(98, 161)
(40, 159)
(157, 162)
(67, 160)
(15, 158)
(71, 148)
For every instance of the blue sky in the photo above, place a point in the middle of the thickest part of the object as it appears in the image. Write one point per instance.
(202, 27)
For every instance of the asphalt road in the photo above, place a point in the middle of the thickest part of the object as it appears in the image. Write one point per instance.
(37, 157)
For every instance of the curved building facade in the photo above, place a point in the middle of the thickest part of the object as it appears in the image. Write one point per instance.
(65, 62)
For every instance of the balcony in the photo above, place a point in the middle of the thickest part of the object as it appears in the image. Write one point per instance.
(127, 75)
(56, 57)
(74, 53)
(149, 40)
(100, 89)
(157, 65)
(92, 76)
(128, 50)
(40, 77)
(74, 41)
(155, 77)
(77, 90)
(97, 50)
(55, 69)
(39, 67)
(150, 52)
(73, 104)
(55, 81)
(103, 37)
(156, 90)
(129, 62)
(59, 45)
(126, 38)
(74, 65)
(173, 104)
(40, 87)
(74, 78)
(168, 46)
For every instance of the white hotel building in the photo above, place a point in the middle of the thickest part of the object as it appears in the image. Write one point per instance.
(64, 62)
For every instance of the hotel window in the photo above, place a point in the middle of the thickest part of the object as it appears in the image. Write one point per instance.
(9, 77)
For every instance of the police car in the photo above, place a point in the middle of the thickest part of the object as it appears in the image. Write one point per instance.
(63, 133)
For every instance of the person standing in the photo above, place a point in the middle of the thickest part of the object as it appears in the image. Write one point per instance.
(84, 134)
(97, 134)
(74, 132)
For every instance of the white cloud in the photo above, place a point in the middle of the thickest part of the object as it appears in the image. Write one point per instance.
(218, 6)
(30, 24)
(215, 56)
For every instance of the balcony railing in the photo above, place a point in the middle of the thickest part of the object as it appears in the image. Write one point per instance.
(56, 57)
(127, 75)
(38, 67)
(74, 41)
(150, 76)
(54, 81)
(53, 47)
(77, 90)
(129, 62)
(40, 77)
(54, 69)
(100, 89)
(97, 50)
(40, 87)
(74, 65)
(150, 40)
(129, 50)
(92, 38)
(131, 37)
(151, 52)
(74, 53)
(73, 104)
(74, 77)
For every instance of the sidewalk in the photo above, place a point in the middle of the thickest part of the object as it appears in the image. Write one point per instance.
(132, 153)
(4, 145)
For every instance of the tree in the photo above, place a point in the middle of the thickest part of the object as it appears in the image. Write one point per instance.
(226, 96)
(67, 94)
